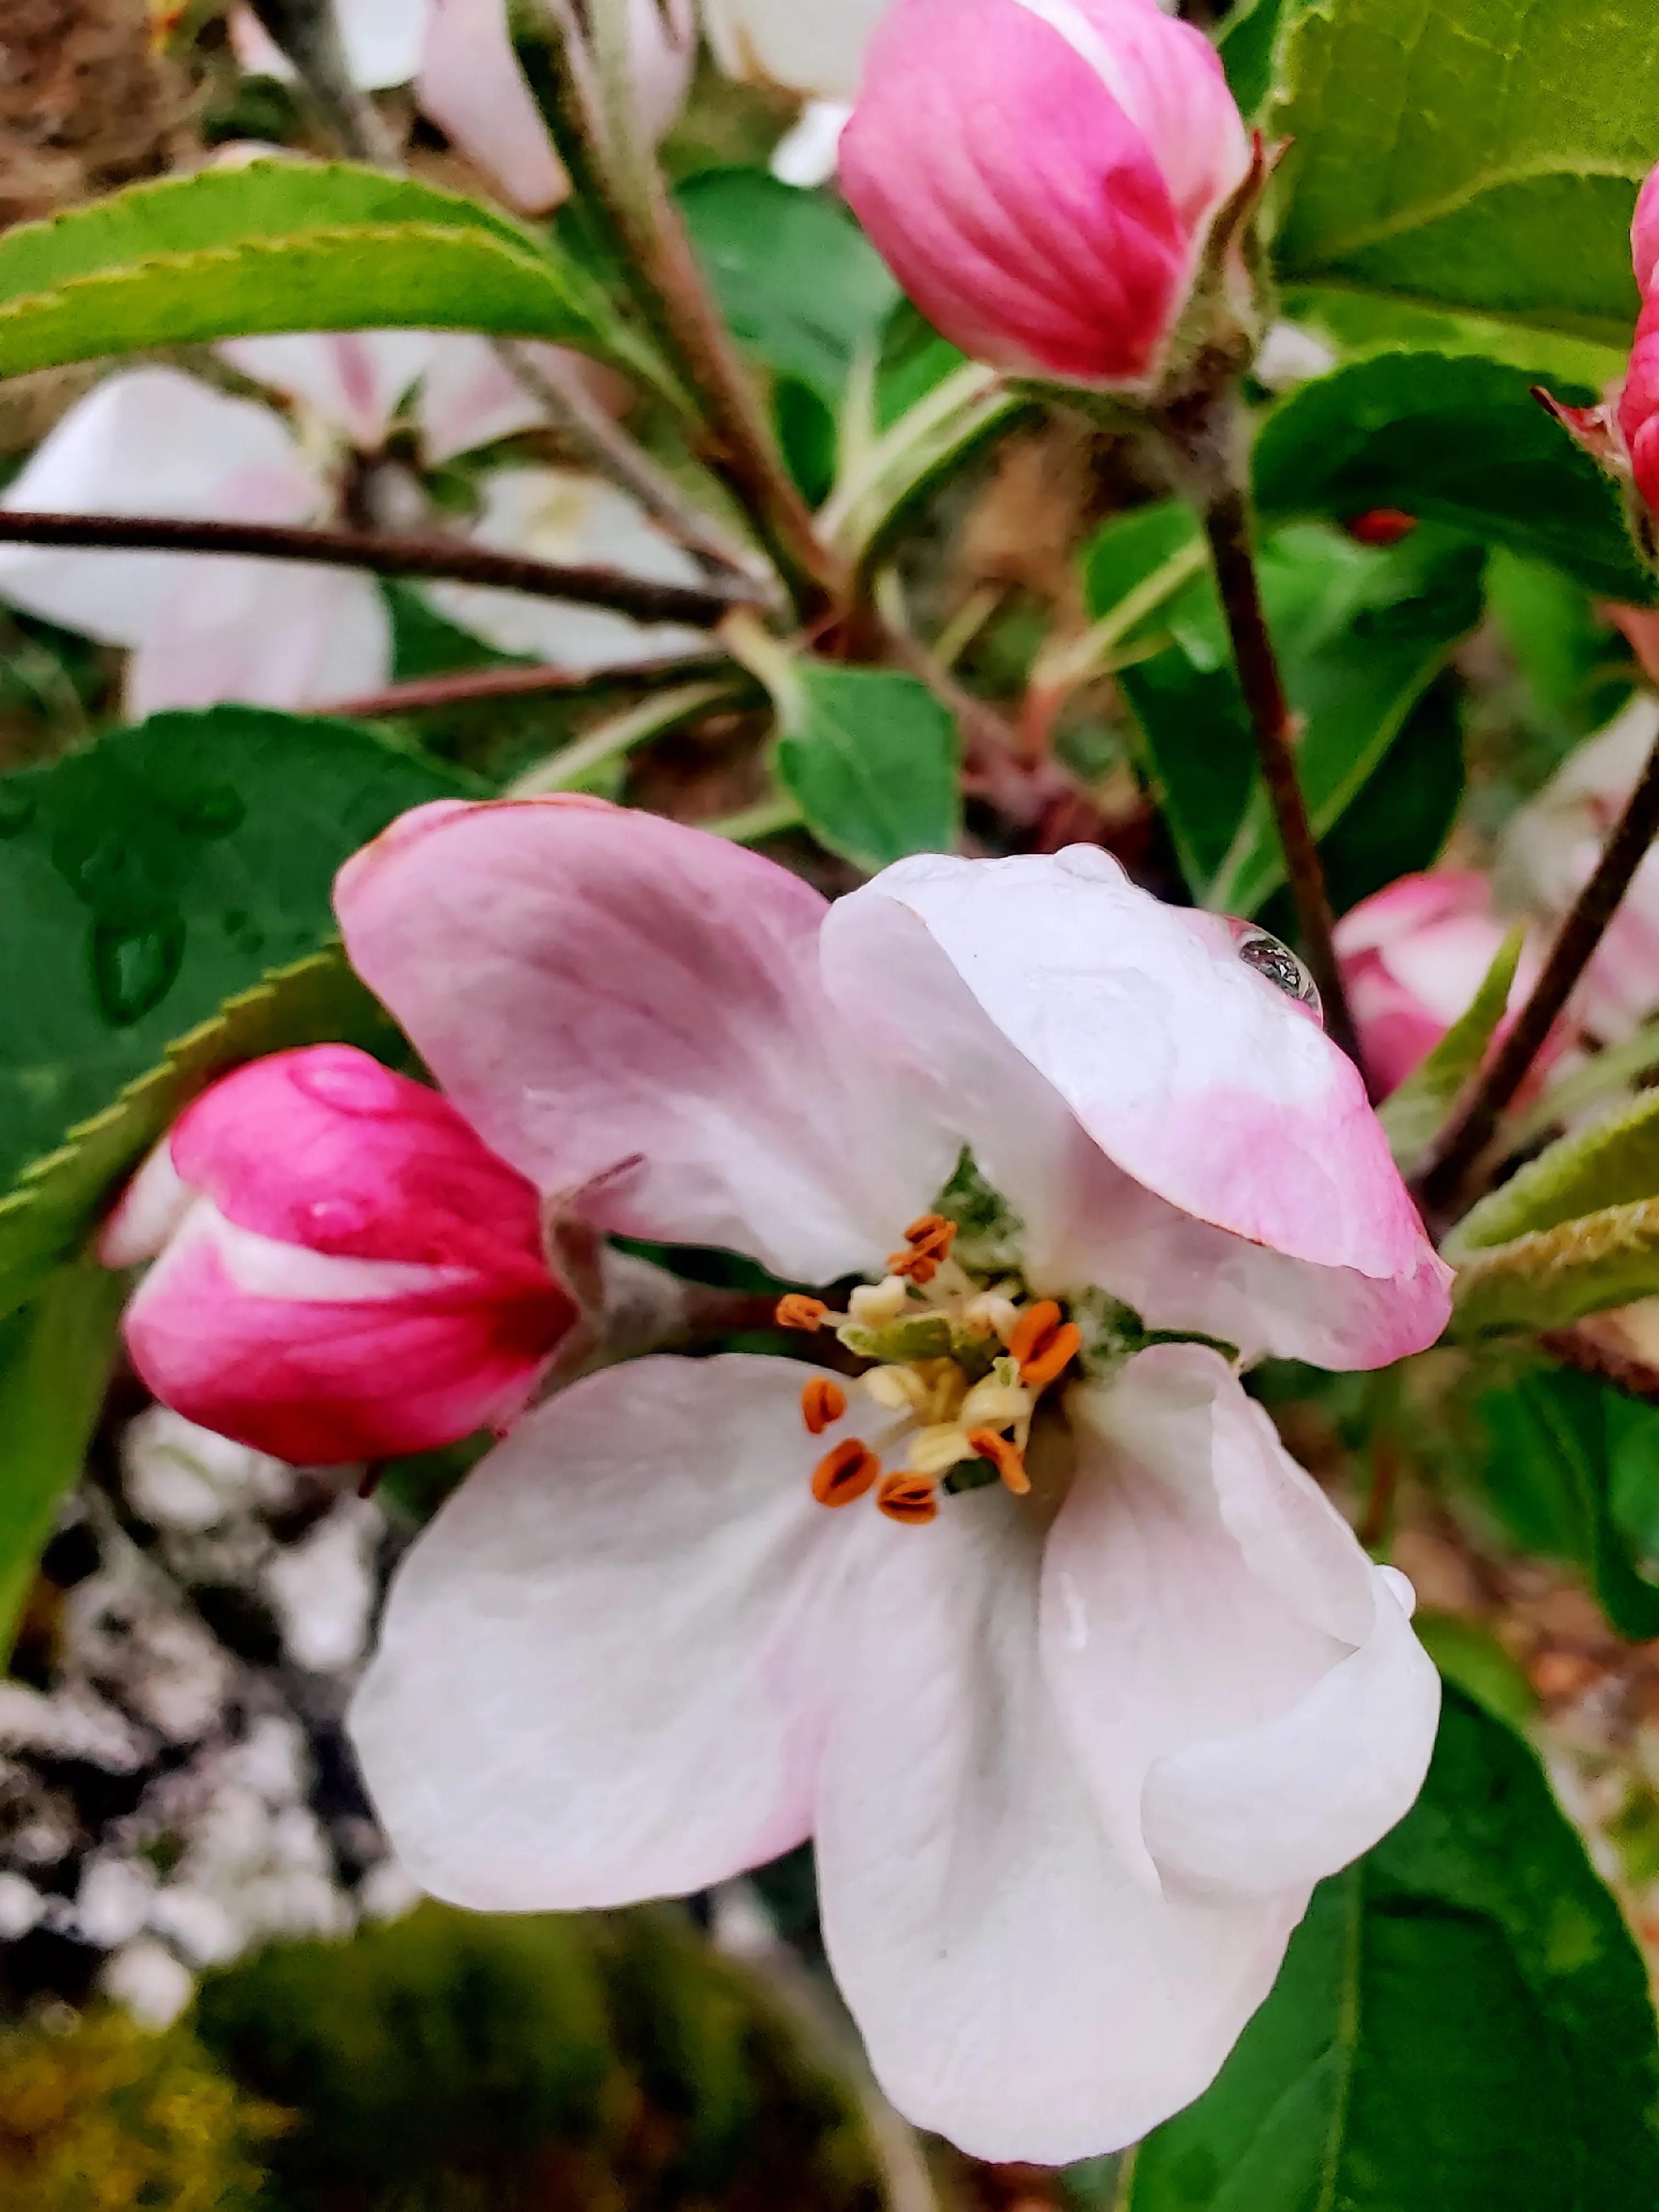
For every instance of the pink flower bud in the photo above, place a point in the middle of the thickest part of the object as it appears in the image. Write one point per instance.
(1413, 957)
(1645, 235)
(342, 1270)
(1042, 175)
(1639, 402)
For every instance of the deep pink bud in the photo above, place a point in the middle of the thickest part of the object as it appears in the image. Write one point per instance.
(1639, 402)
(342, 1270)
(1042, 174)
(1413, 957)
(1645, 235)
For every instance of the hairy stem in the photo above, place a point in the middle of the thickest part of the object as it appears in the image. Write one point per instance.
(1227, 526)
(699, 606)
(1584, 929)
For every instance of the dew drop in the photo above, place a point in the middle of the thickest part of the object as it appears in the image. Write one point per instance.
(333, 1219)
(349, 1081)
(134, 965)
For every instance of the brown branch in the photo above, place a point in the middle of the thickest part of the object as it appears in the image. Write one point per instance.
(475, 686)
(1227, 525)
(700, 606)
(1584, 929)
(1582, 1347)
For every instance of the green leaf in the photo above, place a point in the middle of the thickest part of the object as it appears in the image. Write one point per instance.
(48, 1211)
(798, 282)
(1462, 2023)
(1359, 323)
(280, 246)
(1482, 156)
(161, 872)
(1362, 633)
(869, 758)
(1472, 1656)
(1614, 1162)
(1412, 1115)
(1451, 439)
(1250, 42)
(55, 1360)
(1553, 1277)
(1571, 1466)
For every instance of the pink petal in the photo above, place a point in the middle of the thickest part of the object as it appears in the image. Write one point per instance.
(1644, 235)
(148, 441)
(1207, 1087)
(604, 1667)
(325, 1361)
(1038, 174)
(595, 988)
(352, 380)
(1022, 1989)
(1413, 958)
(1239, 1682)
(471, 85)
(266, 633)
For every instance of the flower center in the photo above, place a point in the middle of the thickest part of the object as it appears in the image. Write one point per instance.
(957, 1365)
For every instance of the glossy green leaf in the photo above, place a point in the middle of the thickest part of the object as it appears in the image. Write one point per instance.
(1614, 1162)
(55, 1360)
(165, 870)
(1361, 323)
(798, 282)
(1554, 1277)
(279, 246)
(1250, 41)
(1480, 156)
(46, 1214)
(1413, 1114)
(1362, 633)
(1462, 2023)
(1571, 1468)
(1469, 1654)
(870, 758)
(1450, 440)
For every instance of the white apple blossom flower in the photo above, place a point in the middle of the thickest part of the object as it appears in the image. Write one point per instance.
(1073, 1745)
(202, 628)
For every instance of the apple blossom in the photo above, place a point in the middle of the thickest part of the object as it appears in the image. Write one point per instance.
(1041, 176)
(202, 628)
(1078, 1681)
(1550, 849)
(342, 1270)
(1413, 956)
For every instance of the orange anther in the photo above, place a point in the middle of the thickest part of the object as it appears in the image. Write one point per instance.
(1056, 1355)
(822, 1402)
(797, 1311)
(845, 1474)
(1005, 1455)
(1033, 1329)
(911, 1498)
(926, 1244)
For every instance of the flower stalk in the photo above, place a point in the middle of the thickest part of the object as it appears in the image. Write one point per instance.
(1469, 1135)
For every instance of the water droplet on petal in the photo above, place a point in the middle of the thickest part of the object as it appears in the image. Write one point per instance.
(349, 1081)
(1281, 967)
(334, 1218)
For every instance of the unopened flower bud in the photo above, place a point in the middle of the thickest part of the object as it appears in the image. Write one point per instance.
(1042, 175)
(342, 1270)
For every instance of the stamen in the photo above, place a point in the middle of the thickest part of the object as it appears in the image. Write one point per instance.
(1005, 1455)
(822, 1402)
(846, 1473)
(1057, 1354)
(910, 1498)
(992, 1315)
(937, 1448)
(1036, 1325)
(873, 1305)
(896, 1389)
(797, 1311)
(928, 1245)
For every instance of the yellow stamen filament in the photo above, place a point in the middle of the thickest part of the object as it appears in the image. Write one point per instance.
(822, 1402)
(845, 1474)
(1005, 1455)
(797, 1311)
(935, 1450)
(992, 1315)
(873, 1305)
(995, 1405)
(896, 1389)
(1055, 1356)
(910, 1498)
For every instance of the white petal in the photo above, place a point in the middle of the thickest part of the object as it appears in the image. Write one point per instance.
(382, 41)
(268, 634)
(473, 89)
(149, 441)
(555, 514)
(352, 380)
(1021, 1988)
(817, 49)
(1239, 1681)
(605, 1666)
(807, 153)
